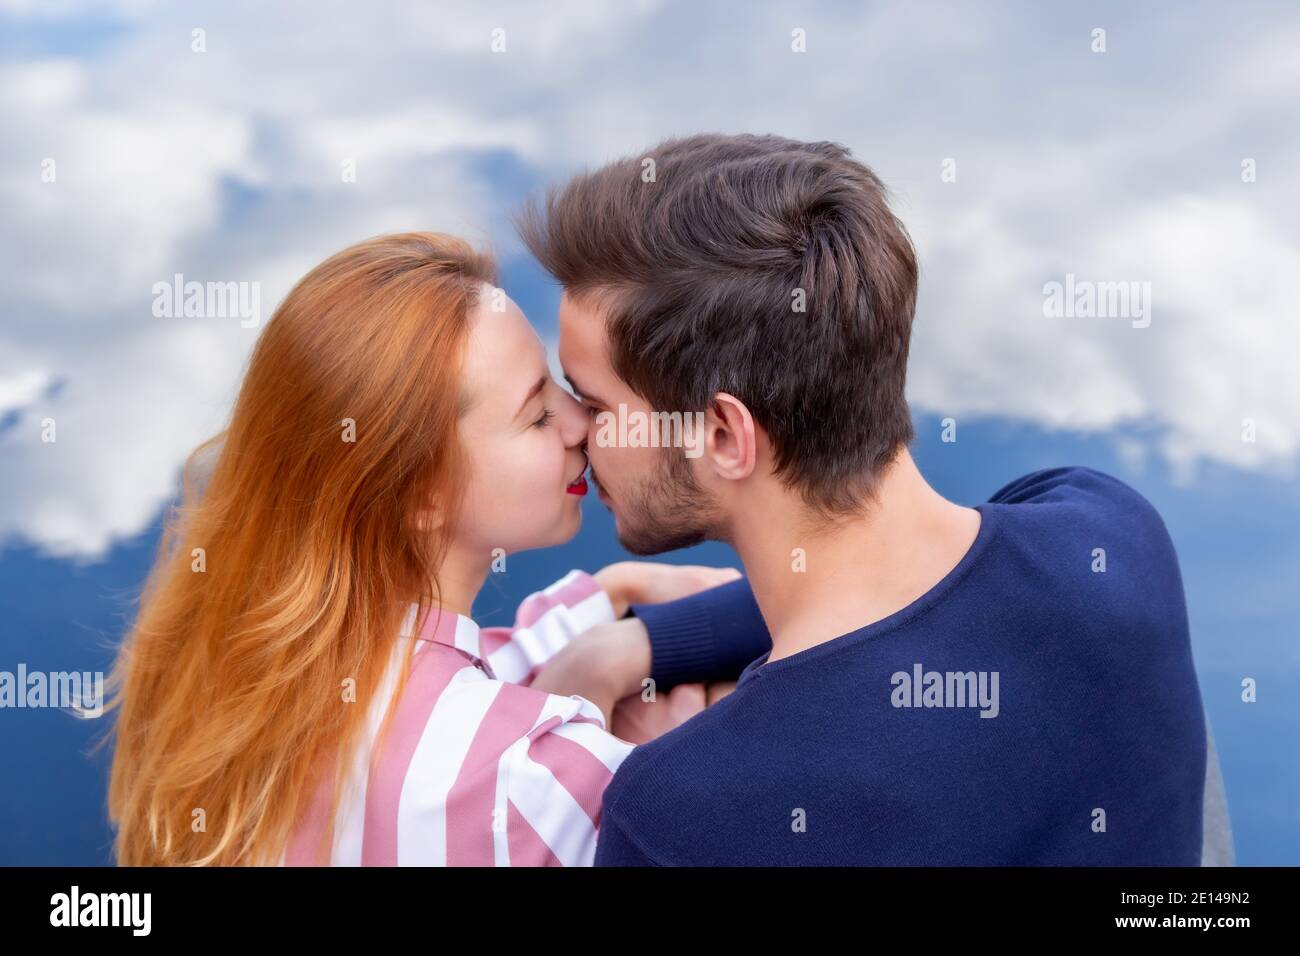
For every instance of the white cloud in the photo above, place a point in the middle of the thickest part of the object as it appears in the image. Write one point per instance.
(226, 165)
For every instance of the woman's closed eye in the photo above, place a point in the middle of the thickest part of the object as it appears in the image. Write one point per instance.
(545, 420)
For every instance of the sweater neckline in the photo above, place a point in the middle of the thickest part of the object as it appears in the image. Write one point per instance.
(990, 514)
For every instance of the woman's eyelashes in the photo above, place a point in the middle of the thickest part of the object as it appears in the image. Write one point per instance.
(547, 415)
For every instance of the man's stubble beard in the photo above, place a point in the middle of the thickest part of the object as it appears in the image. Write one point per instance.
(667, 512)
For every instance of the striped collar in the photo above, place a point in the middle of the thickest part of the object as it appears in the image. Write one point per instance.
(445, 627)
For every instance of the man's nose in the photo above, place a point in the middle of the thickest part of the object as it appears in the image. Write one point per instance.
(574, 422)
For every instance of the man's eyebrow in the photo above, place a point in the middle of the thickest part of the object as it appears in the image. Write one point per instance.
(532, 392)
(581, 392)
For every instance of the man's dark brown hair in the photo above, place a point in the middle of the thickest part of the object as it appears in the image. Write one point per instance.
(702, 270)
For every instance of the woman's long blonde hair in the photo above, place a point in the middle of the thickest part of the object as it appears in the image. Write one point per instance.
(229, 686)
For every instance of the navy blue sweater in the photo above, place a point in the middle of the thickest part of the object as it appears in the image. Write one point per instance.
(1030, 708)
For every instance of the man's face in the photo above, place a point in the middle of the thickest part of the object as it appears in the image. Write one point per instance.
(653, 493)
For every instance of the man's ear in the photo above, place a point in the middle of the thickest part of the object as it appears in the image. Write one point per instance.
(730, 442)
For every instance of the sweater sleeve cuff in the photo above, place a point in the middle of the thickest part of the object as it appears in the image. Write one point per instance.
(708, 636)
(681, 640)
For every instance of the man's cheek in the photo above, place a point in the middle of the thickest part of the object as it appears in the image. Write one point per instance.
(596, 460)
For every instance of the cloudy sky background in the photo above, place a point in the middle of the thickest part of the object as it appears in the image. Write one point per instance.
(226, 165)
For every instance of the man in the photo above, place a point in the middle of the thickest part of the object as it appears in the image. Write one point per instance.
(1005, 684)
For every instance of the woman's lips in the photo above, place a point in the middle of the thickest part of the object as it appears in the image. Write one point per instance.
(578, 486)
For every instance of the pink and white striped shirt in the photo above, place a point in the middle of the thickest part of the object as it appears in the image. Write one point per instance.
(477, 768)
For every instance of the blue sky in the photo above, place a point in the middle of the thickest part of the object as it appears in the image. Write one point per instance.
(1123, 165)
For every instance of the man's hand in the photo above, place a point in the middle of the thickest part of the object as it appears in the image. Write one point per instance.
(650, 582)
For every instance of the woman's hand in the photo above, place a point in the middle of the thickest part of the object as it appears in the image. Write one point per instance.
(609, 662)
(652, 582)
(638, 720)
(715, 692)
(603, 664)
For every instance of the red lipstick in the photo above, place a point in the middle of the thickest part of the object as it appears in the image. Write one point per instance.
(579, 487)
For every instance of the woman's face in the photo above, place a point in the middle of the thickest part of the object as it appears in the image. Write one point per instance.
(523, 436)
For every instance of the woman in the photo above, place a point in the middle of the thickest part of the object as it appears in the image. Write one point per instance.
(303, 683)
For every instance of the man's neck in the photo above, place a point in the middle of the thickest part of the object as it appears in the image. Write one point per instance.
(814, 586)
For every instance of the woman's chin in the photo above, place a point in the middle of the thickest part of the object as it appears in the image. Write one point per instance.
(559, 533)
(564, 529)
(573, 524)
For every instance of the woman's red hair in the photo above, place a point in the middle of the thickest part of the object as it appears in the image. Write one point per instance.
(230, 685)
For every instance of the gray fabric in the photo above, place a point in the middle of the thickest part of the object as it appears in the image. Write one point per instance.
(1216, 847)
